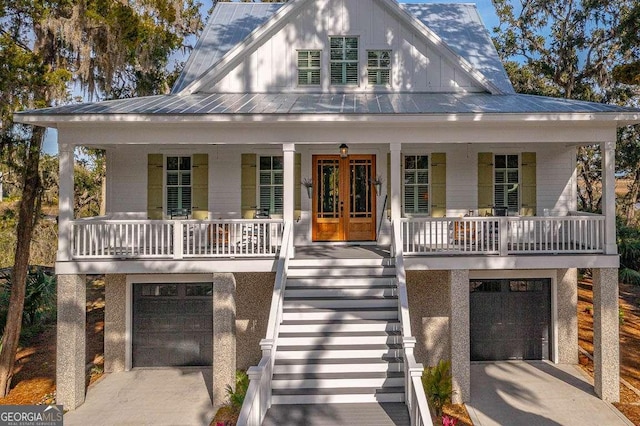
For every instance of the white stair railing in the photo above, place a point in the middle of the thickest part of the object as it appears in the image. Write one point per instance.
(258, 398)
(415, 396)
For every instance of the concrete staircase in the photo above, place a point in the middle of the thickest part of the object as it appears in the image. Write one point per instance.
(340, 339)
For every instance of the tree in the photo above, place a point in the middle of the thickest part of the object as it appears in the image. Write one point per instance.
(97, 45)
(569, 48)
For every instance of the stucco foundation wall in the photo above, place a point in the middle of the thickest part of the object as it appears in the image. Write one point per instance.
(115, 322)
(253, 301)
(429, 308)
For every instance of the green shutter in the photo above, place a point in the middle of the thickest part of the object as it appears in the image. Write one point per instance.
(438, 184)
(200, 187)
(528, 181)
(298, 186)
(248, 199)
(485, 183)
(154, 186)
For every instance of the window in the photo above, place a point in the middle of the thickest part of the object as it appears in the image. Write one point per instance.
(344, 60)
(379, 66)
(485, 286)
(309, 67)
(160, 290)
(178, 183)
(416, 184)
(271, 183)
(507, 182)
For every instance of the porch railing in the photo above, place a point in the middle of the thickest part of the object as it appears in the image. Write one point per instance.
(573, 234)
(258, 398)
(175, 239)
(415, 397)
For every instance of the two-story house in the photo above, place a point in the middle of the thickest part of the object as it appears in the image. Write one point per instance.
(337, 181)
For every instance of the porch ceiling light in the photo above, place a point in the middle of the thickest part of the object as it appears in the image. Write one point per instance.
(344, 150)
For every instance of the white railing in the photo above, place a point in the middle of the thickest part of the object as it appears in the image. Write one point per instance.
(102, 238)
(99, 238)
(504, 235)
(258, 398)
(224, 238)
(415, 397)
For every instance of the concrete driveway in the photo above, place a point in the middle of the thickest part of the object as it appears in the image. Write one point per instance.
(179, 396)
(536, 393)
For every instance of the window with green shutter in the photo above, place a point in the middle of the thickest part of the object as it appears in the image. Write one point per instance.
(178, 184)
(379, 67)
(506, 183)
(344, 61)
(271, 183)
(416, 184)
(309, 65)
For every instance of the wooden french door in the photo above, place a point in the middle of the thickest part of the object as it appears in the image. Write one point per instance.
(344, 199)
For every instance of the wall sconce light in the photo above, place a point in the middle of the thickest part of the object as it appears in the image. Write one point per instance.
(344, 150)
(377, 182)
(308, 183)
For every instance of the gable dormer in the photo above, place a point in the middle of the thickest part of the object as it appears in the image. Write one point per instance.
(333, 46)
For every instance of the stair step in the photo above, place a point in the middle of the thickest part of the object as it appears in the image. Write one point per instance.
(342, 292)
(332, 263)
(349, 282)
(344, 366)
(346, 314)
(337, 396)
(340, 303)
(326, 341)
(323, 333)
(342, 272)
(338, 326)
(303, 384)
(302, 354)
(352, 376)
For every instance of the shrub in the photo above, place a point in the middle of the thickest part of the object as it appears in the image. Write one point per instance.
(39, 301)
(236, 397)
(438, 386)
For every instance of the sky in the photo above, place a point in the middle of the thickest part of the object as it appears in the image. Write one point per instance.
(485, 8)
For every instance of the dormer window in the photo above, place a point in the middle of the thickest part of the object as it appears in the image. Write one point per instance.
(344, 61)
(309, 65)
(379, 67)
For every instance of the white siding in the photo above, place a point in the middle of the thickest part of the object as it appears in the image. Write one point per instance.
(416, 65)
(126, 179)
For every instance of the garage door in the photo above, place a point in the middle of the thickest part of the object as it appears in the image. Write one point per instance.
(510, 319)
(172, 324)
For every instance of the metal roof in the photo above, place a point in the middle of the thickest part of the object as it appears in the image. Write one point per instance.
(340, 103)
(458, 25)
(228, 25)
(461, 28)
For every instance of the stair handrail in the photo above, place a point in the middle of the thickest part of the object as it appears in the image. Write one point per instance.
(258, 398)
(415, 397)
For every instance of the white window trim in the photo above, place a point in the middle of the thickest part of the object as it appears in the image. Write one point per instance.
(379, 85)
(320, 69)
(358, 62)
(165, 201)
(402, 169)
(519, 184)
(259, 154)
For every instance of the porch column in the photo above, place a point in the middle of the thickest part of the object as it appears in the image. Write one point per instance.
(115, 322)
(396, 189)
(224, 336)
(71, 340)
(65, 200)
(608, 150)
(566, 316)
(460, 335)
(289, 150)
(606, 340)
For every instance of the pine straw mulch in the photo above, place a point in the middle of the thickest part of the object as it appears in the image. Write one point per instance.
(34, 379)
(629, 342)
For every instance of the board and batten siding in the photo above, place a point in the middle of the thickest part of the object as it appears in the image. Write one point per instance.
(416, 65)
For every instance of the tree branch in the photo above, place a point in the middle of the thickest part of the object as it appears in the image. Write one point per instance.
(17, 42)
